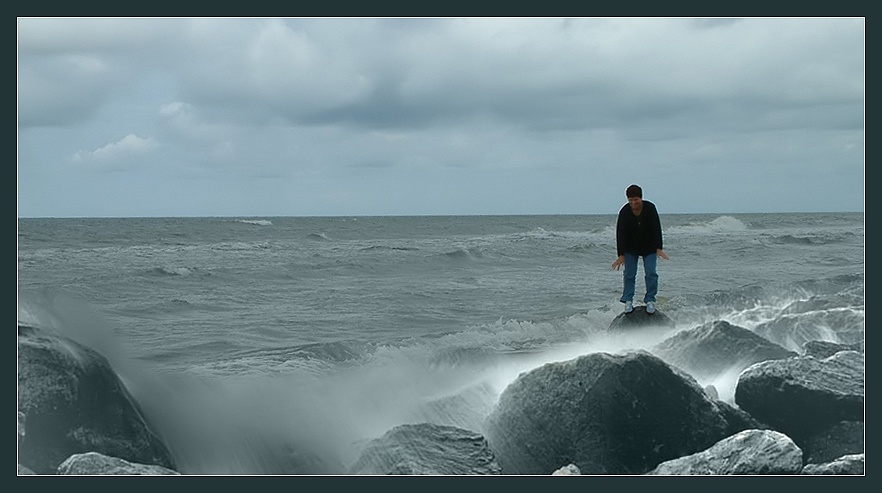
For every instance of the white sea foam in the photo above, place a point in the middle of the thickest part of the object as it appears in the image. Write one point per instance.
(719, 225)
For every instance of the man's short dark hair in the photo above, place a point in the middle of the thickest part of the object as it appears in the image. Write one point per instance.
(634, 191)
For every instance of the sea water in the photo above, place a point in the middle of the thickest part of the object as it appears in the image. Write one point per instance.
(256, 342)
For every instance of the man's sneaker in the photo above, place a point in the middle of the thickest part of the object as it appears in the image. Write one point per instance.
(650, 307)
(629, 306)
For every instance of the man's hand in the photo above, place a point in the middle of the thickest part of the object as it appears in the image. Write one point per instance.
(619, 261)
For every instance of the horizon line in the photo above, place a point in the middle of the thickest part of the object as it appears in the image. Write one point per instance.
(252, 216)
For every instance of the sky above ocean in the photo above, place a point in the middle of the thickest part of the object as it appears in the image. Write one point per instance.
(235, 116)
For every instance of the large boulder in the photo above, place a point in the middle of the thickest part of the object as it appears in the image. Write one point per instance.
(93, 463)
(803, 395)
(717, 347)
(746, 452)
(427, 449)
(638, 318)
(604, 413)
(73, 402)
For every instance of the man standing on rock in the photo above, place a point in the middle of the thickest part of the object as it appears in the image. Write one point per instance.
(638, 234)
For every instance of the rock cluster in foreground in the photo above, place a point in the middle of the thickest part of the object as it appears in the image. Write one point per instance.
(71, 401)
(637, 412)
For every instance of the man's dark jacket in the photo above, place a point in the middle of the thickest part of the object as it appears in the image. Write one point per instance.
(638, 235)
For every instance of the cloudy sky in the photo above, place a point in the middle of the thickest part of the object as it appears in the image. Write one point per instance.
(412, 116)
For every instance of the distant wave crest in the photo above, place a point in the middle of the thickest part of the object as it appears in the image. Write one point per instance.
(173, 271)
(318, 237)
(390, 248)
(794, 240)
(718, 225)
(465, 254)
(257, 222)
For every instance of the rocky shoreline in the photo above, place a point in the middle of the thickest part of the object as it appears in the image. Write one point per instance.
(637, 412)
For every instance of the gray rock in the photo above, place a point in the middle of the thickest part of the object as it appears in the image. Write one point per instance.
(825, 349)
(803, 395)
(639, 318)
(712, 392)
(843, 438)
(711, 349)
(568, 470)
(74, 403)
(22, 470)
(746, 452)
(605, 413)
(427, 449)
(93, 463)
(845, 465)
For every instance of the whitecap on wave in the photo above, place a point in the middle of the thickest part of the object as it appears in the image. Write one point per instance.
(718, 225)
(256, 222)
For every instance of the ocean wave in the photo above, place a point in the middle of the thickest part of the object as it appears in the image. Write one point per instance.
(583, 247)
(388, 248)
(464, 254)
(332, 351)
(813, 239)
(850, 285)
(259, 365)
(256, 222)
(719, 225)
(303, 360)
(318, 237)
(794, 240)
(173, 271)
(543, 234)
(843, 325)
(238, 246)
(537, 233)
(174, 305)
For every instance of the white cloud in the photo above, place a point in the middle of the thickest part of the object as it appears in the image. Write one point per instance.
(124, 154)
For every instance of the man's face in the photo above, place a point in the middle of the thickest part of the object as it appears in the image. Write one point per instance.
(636, 203)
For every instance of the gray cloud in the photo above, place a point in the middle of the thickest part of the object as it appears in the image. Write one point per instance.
(364, 114)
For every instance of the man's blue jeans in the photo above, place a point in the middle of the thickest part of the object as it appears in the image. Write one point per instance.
(630, 277)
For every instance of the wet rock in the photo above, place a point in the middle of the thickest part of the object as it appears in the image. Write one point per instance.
(427, 449)
(825, 349)
(93, 463)
(746, 452)
(605, 413)
(639, 318)
(845, 465)
(73, 403)
(568, 470)
(711, 349)
(803, 395)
